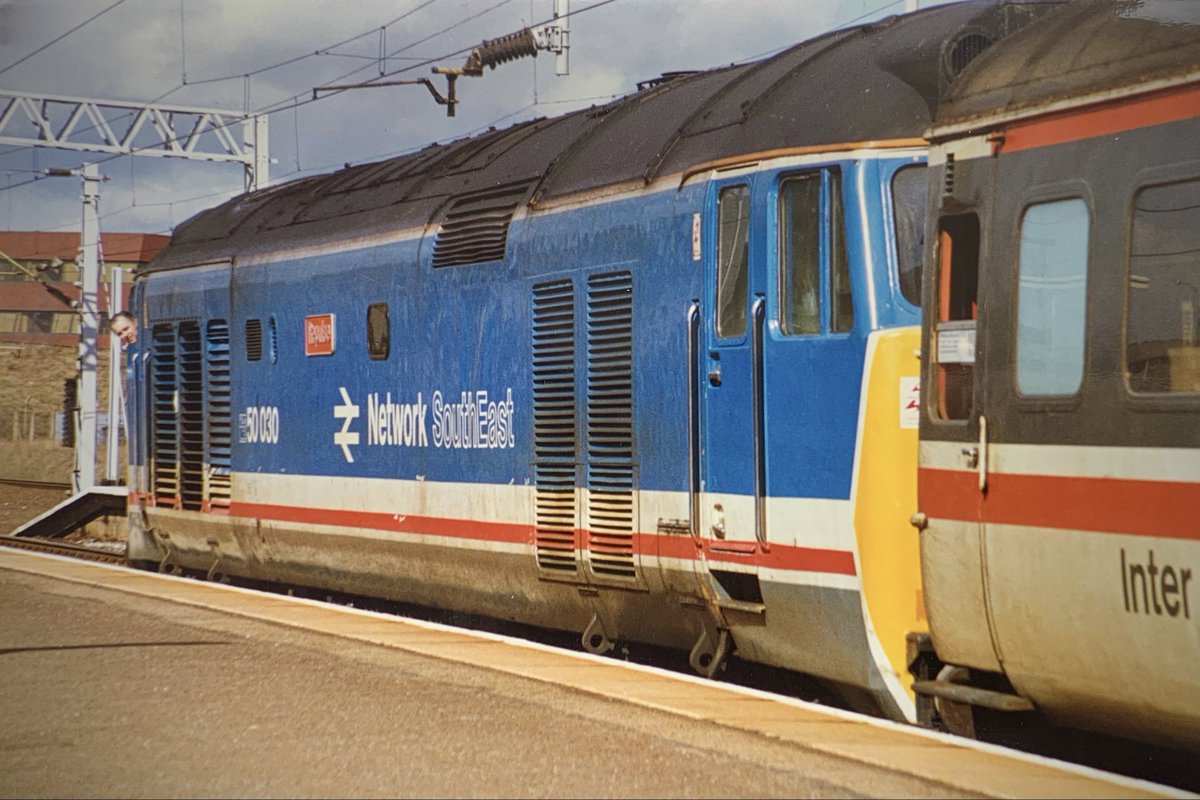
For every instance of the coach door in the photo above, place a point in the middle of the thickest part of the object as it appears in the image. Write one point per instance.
(952, 479)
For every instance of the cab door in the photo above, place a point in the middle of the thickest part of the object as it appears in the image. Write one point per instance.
(732, 469)
(812, 366)
(783, 362)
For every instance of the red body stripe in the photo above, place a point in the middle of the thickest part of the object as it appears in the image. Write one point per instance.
(1166, 509)
(402, 523)
(1068, 126)
(805, 559)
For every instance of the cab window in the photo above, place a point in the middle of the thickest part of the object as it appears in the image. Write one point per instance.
(814, 271)
(733, 247)
(909, 190)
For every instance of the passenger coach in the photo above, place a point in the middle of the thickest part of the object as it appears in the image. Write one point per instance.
(1060, 438)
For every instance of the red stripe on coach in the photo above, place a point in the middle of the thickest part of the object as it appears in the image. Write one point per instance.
(1167, 509)
(1070, 126)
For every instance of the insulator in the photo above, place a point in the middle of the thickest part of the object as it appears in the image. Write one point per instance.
(506, 48)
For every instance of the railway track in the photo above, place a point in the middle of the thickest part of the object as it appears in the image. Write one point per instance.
(63, 549)
(27, 484)
(24, 500)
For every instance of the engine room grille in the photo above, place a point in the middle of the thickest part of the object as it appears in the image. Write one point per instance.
(191, 416)
(964, 50)
(254, 340)
(164, 417)
(554, 425)
(610, 424)
(220, 418)
(475, 229)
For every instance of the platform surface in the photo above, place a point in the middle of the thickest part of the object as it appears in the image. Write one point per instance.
(115, 682)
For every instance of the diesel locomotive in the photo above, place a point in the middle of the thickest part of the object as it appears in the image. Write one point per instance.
(652, 372)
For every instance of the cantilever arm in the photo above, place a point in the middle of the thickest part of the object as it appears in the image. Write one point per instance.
(449, 101)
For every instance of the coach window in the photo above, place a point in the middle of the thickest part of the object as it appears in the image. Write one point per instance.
(733, 241)
(378, 334)
(909, 190)
(1162, 354)
(809, 227)
(1051, 297)
(957, 288)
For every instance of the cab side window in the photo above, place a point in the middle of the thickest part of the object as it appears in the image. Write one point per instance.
(814, 270)
(910, 186)
(800, 250)
(733, 248)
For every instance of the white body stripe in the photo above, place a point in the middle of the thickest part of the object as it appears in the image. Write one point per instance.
(1074, 461)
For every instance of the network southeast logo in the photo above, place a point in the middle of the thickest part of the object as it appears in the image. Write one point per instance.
(348, 412)
(475, 421)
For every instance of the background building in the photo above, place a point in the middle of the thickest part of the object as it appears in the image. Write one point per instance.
(40, 310)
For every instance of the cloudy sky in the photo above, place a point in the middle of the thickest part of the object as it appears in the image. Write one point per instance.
(268, 55)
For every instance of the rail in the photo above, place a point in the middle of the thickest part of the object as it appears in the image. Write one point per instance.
(27, 484)
(63, 549)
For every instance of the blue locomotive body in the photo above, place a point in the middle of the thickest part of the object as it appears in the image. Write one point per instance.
(645, 372)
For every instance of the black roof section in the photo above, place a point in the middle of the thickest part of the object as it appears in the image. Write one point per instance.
(1086, 48)
(875, 82)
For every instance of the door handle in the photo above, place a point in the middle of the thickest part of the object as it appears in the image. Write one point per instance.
(982, 466)
(714, 376)
(970, 457)
(758, 314)
(693, 373)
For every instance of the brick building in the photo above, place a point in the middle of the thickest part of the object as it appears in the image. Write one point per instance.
(37, 312)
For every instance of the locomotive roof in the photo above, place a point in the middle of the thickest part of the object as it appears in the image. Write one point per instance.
(873, 82)
(1088, 49)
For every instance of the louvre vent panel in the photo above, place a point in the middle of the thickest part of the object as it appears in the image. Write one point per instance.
(475, 229)
(610, 511)
(220, 415)
(554, 427)
(555, 533)
(610, 526)
(191, 417)
(164, 446)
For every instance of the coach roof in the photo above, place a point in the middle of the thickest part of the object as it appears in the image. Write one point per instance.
(1086, 51)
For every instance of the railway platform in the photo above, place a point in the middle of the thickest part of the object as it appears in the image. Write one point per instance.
(115, 682)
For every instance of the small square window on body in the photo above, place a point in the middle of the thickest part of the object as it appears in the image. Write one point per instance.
(378, 331)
